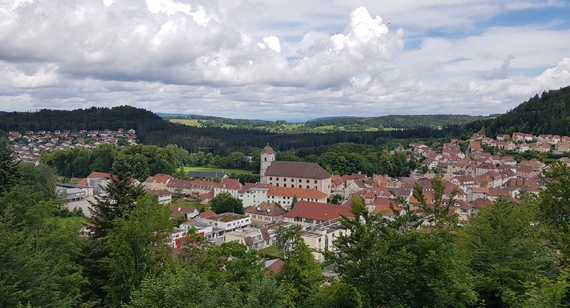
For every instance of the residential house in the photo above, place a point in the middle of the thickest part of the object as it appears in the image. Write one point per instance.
(188, 187)
(231, 186)
(164, 196)
(225, 222)
(314, 213)
(321, 237)
(267, 212)
(157, 181)
(527, 172)
(252, 238)
(188, 212)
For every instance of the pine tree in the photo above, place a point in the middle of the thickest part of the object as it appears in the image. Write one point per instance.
(118, 202)
(9, 173)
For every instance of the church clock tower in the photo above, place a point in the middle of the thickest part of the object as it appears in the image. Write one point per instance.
(267, 157)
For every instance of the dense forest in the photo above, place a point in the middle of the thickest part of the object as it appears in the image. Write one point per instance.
(147, 160)
(548, 113)
(153, 130)
(345, 124)
(395, 121)
(510, 255)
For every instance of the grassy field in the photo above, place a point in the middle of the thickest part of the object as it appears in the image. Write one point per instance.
(271, 251)
(324, 128)
(189, 122)
(75, 222)
(213, 169)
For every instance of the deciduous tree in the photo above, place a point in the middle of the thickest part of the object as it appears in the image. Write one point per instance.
(224, 202)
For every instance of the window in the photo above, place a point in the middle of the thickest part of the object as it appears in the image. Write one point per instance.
(277, 184)
(284, 185)
(276, 179)
(300, 180)
(284, 179)
(307, 181)
(271, 178)
(315, 181)
(265, 158)
(307, 186)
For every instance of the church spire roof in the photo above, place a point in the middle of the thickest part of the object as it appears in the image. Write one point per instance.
(267, 150)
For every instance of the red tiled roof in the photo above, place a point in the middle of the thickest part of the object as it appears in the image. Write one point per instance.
(228, 183)
(99, 175)
(208, 214)
(177, 211)
(275, 266)
(318, 211)
(383, 206)
(267, 150)
(208, 195)
(159, 178)
(274, 210)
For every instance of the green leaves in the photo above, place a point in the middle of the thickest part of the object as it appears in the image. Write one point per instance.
(224, 202)
(504, 249)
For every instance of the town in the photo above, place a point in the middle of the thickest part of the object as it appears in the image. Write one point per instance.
(301, 193)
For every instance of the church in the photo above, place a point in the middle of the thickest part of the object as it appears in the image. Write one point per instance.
(293, 174)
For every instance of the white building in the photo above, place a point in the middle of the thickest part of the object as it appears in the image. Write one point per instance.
(253, 194)
(225, 222)
(253, 238)
(292, 174)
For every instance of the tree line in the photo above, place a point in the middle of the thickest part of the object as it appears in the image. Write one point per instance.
(148, 160)
(394, 121)
(144, 160)
(153, 130)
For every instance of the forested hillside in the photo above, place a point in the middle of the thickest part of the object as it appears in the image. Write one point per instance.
(153, 130)
(332, 124)
(548, 113)
(395, 121)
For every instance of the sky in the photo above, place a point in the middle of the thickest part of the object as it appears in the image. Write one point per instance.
(282, 60)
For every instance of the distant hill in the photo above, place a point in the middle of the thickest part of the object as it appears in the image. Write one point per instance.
(394, 121)
(333, 124)
(328, 118)
(152, 129)
(548, 113)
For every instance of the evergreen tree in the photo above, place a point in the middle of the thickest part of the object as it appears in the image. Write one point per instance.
(117, 202)
(9, 174)
(504, 250)
(293, 201)
(137, 245)
(300, 276)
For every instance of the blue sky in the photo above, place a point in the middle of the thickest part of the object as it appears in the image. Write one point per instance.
(293, 60)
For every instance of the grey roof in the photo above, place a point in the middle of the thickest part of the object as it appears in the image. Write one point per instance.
(206, 174)
(297, 170)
